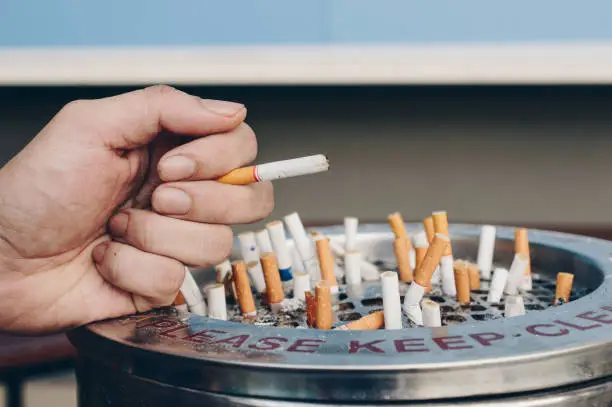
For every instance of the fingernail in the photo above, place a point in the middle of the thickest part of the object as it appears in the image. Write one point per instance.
(172, 201)
(222, 107)
(176, 168)
(98, 252)
(118, 224)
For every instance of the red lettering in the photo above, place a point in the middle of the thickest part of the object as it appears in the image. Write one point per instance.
(169, 331)
(410, 345)
(578, 327)
(486, 338)
(305, 343)
(268, 343)
(535, 330)
(236, 341)
(202, 336)
(355, 346)
(602, 318)
(451, 342)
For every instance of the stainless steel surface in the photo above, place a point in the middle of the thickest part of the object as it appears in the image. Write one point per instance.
(549, 348)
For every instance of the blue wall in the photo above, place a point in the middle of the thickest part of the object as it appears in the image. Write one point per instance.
(225, 22)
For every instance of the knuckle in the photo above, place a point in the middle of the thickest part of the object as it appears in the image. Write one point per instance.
(158, 91)
(249, 142)
(75, 107)
(113, 263)
(170, 280)
(267, 198)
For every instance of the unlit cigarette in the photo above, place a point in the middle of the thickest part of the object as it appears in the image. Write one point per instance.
(223, 269)
(301, 285)
(564, 288)
(498, 282)
(217, 307)
(274, 286)
(324, 317)
(402, 247)
(440, 221)
(447, 275)
(428, 224)
(250, 254)
(350, 232)
(243, 288)
(432, 258)
(462, 282)
(397, 225)
(514, 306)
(193, 295)
(262, 237)
(516, 273)
(303, 243)
(391, 300)
(276, 170)
(326, 262)
(352, 267)
(474, 274)
(276, 231)
(486, 250)
(521, 245)
(431, 314)
(375, 320)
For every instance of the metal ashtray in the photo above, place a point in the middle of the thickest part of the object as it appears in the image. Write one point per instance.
(552, 356)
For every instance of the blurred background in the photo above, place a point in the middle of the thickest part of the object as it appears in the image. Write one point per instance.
(495, 111)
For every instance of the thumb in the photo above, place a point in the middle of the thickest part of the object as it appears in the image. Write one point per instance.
(133, 119)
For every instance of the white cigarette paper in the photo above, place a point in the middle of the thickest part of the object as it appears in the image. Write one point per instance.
(250, 254)
(413, 296)
(276, 232)
(498, 282)
(301, 284)
(516, 273)
(352, 265)
(350, 232)
(414, 313)
(486, 250)
(303, 243)
(514, 306)
(217, 307)
(262, 238)
(193, 295)
(419, 239)
(369, 272)
(391, 300)
(431, 314)
(447, 274)
(412, 258)
(223, 269)
(291, 168)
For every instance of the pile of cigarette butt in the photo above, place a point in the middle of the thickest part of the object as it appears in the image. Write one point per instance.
(308, 278)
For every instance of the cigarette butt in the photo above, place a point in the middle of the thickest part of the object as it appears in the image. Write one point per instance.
(421, 244)
(402, 248)
(564, 288)
(431, 314)
(222, 270)
(397, 225)
(521, 245)
(474, 276)
(428, 223)
(431, 260)
(274, 286)
(301, 285)
(324, 311)
(217, 307)
(392, 305)
(326, 262)
(462, 282)
(243, 288)
(514, 306)
(276, 170)
(373, 321)
(351, 224)
(179, 300)
(440, 221)
(311, 308)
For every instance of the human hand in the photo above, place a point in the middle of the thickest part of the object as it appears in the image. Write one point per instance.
(100, 212)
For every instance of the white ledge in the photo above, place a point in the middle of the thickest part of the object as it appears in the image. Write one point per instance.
(276, 65)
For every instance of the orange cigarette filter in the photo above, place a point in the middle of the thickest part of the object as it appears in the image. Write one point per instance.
(373, 321)
(324, 316)
(432, 258)
(420, 253)
(179, 300)
(474, 275)
(311, 308)
(402, 254)
(326, 261)
(462, 282)
(564, 288)
(274, 286)
(440, 221)
(239, 176)
(397, 225)
(521, 245)
(428, 223)
(243, 288)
